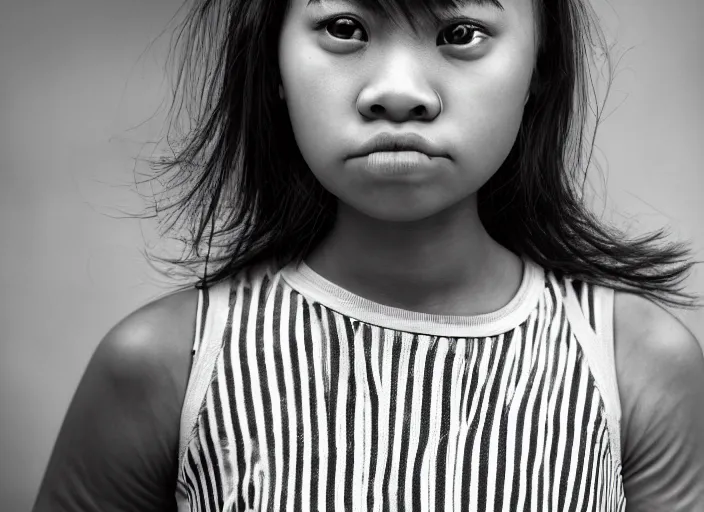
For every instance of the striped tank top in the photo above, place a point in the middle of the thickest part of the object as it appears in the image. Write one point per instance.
(304, 396)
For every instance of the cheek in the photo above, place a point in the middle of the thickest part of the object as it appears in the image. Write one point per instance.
(296, 65)
(489, 114)
(315, 111)
(311, 118)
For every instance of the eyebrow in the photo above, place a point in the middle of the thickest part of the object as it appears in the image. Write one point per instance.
(460, 3)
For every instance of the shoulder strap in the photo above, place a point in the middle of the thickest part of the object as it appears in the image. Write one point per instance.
(213, 310)
(598, 348)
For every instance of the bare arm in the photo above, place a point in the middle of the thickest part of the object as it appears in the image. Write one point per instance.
(660, 370)
(117, 447)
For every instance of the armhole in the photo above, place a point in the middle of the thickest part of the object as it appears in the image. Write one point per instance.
(211, 320)
(598, 347)
(604, 306)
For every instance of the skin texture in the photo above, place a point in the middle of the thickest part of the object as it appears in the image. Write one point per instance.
(360, 76)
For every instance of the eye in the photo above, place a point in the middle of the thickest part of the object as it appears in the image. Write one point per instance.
(461, 34)
(341, 28)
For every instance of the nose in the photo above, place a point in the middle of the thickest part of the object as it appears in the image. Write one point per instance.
(399, 93)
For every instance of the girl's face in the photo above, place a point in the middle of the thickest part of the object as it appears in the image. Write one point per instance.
(349, 75)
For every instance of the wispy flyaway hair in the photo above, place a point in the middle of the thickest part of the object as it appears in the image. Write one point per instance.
(245, 194)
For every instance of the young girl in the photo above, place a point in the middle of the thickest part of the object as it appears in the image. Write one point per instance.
(412, 308)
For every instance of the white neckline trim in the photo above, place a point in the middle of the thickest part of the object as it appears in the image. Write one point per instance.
(314, 286)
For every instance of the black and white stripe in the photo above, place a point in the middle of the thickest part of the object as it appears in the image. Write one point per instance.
(311, 409)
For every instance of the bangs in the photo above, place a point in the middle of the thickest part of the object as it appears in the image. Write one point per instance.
(416, 12)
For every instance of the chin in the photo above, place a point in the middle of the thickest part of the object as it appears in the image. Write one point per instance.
(392, 211)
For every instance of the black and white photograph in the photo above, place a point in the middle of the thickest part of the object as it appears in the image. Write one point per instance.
(352, 256)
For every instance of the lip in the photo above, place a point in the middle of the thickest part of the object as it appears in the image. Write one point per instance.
(401, 164)
(385, 142)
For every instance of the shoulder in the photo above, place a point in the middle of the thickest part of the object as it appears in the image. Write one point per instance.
(148, 353)
(646, 334)
(117, 448)
(660, 374)
(653, 348)
(157, 336)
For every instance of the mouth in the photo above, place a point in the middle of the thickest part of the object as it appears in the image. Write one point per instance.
(406, 166)
(387, 142)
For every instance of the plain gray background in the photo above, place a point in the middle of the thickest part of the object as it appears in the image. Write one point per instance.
(76, 95)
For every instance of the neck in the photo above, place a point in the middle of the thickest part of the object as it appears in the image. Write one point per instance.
(444, 264)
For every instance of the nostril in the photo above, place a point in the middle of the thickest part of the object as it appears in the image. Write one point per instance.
(377, 109)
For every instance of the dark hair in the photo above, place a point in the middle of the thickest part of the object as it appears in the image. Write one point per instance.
(249, 195)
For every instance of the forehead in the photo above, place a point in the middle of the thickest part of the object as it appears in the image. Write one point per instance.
(413, 11)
